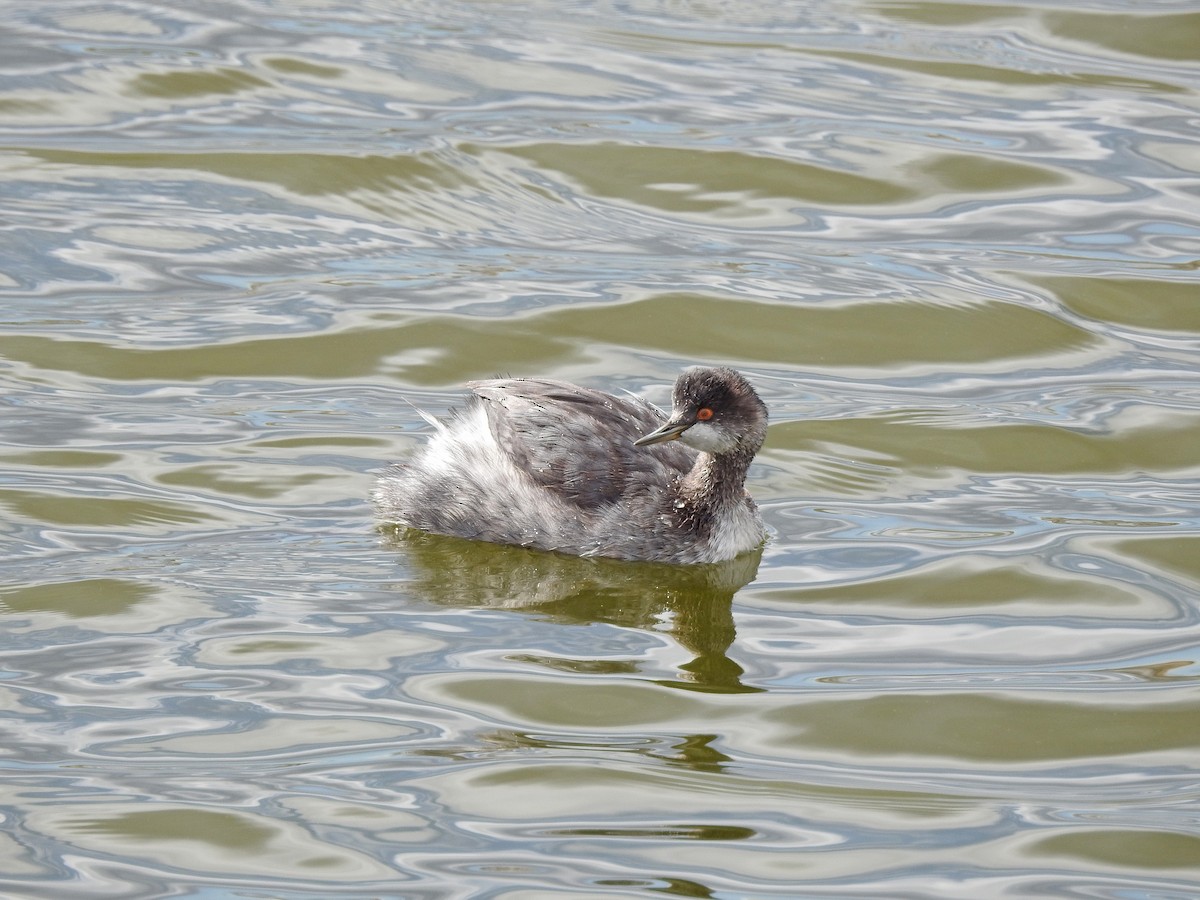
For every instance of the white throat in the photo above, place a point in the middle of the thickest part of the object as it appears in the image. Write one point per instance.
(706, 438)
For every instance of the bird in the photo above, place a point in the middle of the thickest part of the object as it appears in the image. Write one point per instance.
(550, 465)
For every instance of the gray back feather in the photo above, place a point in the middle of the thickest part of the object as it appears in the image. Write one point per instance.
(578, 442)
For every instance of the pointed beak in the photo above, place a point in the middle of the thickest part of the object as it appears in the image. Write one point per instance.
(668, 432)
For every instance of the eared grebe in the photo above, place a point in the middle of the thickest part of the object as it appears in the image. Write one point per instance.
(550, 465)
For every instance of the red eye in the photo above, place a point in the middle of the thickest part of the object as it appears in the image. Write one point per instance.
(703, 415)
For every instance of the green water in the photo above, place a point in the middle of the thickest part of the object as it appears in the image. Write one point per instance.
(954, 246)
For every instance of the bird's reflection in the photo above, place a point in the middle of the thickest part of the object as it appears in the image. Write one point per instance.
(453, 572)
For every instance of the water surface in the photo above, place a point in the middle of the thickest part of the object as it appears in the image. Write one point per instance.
(954, 245)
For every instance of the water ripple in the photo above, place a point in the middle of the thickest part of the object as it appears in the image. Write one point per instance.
(953, 245)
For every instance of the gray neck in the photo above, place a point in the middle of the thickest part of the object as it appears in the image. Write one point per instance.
(716, 479)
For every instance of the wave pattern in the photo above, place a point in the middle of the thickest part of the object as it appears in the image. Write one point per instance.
(954, 245)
